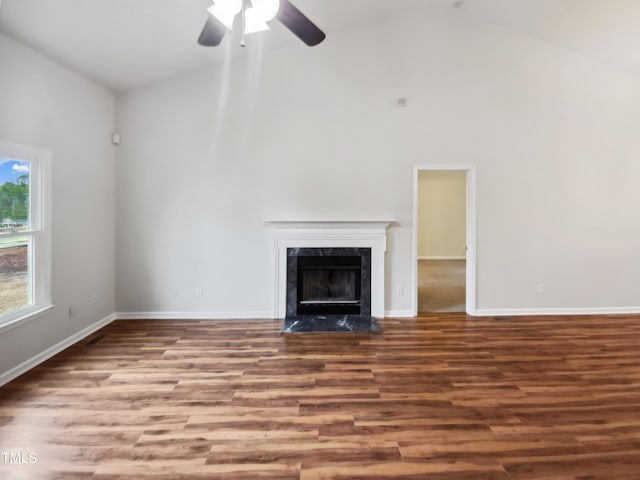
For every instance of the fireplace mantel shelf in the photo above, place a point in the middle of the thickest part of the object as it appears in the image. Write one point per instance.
(328, 224)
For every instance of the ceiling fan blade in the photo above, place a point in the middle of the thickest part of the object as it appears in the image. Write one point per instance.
(212, 33)
(299, 24)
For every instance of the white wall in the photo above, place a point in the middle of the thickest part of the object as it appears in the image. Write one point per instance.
(442, 220)
(45, 105)
(301, 133)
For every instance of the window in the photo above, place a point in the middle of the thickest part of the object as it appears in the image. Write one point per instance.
(25, 238)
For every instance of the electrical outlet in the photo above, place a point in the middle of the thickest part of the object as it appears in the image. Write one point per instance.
(177, 292)
(73, 311)
(199, 292)
(399, 291)
(542, 288)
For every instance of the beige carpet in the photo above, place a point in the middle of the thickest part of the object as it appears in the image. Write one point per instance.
(441, 286)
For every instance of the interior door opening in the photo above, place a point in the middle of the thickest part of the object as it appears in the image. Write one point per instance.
(443, 213)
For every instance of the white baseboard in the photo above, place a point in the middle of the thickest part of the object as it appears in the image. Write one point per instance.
(443, 257)
(501, 312)
(194, 315)
(36, 360)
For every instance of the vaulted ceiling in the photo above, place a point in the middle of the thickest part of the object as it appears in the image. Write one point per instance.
(123, 44)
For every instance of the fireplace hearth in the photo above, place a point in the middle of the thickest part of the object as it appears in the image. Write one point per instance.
(329, 289)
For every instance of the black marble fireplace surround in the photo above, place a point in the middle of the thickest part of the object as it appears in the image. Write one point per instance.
(329, 290)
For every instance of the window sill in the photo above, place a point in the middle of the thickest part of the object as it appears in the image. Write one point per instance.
(26, 316)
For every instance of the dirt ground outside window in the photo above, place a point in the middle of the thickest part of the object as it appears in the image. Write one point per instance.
(14, 273)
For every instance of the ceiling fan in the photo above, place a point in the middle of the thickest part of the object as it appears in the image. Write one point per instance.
(254, 16)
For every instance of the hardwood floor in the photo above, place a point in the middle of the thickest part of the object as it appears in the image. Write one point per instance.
(438, 397)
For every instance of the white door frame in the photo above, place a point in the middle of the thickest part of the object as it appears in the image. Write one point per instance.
(471, 233)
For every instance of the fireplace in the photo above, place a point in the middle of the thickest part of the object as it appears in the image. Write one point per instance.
(328, 281)
(329, 275)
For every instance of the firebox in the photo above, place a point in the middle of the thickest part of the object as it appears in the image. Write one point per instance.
(328, 281)
(329, 285)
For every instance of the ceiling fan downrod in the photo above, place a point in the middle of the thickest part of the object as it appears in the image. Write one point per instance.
(244, 22)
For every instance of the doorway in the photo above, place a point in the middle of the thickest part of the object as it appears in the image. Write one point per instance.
(444, 239)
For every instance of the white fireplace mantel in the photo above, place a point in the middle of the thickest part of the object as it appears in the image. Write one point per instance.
(330, 234)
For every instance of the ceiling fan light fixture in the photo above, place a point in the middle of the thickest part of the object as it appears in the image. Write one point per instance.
(226, 11)
(259, 13)
(268, 9)
(252, 24)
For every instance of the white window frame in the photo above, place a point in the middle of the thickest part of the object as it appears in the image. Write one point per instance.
(39, 231)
